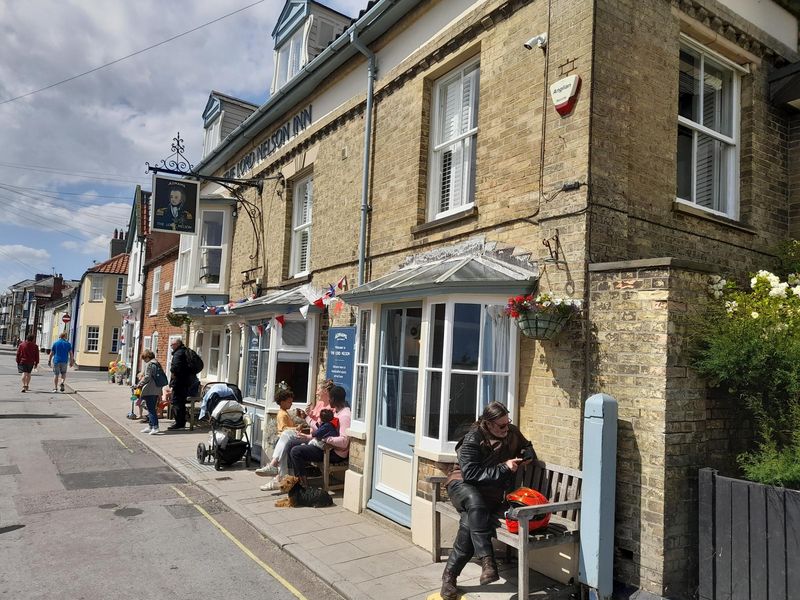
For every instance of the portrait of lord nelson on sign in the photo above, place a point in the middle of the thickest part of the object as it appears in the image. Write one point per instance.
(174, 205)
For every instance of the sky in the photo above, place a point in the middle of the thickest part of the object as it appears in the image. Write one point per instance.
(72, 155)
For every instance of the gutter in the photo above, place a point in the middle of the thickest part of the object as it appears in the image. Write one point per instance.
(372, 71)
(373, 23)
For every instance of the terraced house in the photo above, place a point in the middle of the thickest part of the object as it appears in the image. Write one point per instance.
(444, 154)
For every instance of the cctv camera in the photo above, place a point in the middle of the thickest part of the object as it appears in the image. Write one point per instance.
(540, 41)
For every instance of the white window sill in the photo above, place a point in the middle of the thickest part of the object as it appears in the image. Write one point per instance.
(356, 433)
(436, 456)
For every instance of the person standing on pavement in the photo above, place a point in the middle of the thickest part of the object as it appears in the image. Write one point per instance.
(27, 360)
(61, 356)
(489, 455)
(181, 382)
(150, 390)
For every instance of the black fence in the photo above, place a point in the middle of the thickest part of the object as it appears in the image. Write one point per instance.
(749, 540)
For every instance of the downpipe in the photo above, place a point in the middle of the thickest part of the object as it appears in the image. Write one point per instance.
(372, 70)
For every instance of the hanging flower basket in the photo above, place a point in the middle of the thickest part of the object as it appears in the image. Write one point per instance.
(541, 317)
(541, 326)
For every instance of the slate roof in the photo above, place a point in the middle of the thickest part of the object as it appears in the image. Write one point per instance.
(116, 266)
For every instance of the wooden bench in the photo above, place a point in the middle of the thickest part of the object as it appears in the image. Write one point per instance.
(561, 486)
(326, 468)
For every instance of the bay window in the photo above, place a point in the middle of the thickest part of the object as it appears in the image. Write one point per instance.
(211, 246)
(288, 59)
(203, 258)
(708, 129)
(470, 362)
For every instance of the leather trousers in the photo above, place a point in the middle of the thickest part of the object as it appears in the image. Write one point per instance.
(475, 527)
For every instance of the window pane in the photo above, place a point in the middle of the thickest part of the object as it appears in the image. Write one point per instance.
(437, 352)
(297, 53)
(689, 85)
(494, 388)
(294, 373)
(263, 366)
(392, 335)
(463, 403)
(496, 340)
(213, 361)
(450, 110)
(411, 338)
(363, 336)
(389, 393)
(283, 65)
(434, 404)
(713, 165)
(212, 229)
(294, 333)
(210, 264)
(408, 403)
(252, 371)
(360, 400)
(466, 334)
(717, 98)
(684, 181)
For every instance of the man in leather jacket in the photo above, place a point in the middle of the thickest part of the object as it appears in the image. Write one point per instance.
(488, 457)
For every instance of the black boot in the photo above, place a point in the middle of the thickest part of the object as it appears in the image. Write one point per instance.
(488, 570)
(449, 590)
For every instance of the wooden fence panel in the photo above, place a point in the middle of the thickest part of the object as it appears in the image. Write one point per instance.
(776, 543)
(749, 540)
(758, 541)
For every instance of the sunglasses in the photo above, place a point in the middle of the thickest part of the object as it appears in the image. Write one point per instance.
(501, 425)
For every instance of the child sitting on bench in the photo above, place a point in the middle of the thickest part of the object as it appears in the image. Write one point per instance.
(328, 426)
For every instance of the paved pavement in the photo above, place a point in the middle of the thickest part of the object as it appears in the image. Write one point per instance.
(358, 555)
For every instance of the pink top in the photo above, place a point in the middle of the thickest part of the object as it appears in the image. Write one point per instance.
(312, 416)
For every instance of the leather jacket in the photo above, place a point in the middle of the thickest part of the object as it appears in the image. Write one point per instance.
(481, 465)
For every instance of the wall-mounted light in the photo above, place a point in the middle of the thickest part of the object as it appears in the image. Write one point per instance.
(537, 41)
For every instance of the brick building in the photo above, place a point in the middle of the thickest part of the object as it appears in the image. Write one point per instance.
(672, 160)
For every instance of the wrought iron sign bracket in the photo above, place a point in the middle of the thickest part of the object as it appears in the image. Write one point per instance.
(553, 246)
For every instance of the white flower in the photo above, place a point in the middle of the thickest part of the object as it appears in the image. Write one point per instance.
(754, 314)
(779, 290)
(773, 280)
(793, 279)
(796, 290)
(731, 306)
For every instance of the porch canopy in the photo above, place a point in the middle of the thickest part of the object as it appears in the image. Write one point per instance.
(470, 268)
(278, 302)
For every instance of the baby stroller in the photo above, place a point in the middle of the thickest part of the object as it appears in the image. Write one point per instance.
(227, 419)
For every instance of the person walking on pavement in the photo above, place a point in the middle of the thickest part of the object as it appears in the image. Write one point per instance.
(488, 457)
(27, 360)
(150, 390)
(181, 382)
(60, 357)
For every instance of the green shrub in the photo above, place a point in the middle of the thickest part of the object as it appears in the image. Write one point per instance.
(748, 343)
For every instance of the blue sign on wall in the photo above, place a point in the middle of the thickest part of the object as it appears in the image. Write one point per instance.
(341, 358)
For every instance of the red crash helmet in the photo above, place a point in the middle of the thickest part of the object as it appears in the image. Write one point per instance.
(526, 497)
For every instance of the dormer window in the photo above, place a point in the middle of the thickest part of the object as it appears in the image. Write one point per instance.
(289, 58)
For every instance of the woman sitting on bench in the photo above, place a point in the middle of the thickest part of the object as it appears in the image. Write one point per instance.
(301, 453)
(488, 456)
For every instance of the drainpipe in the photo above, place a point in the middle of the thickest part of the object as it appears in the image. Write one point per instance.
(372, 69)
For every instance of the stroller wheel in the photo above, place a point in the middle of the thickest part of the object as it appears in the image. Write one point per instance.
(217, 464)
(247, 459)
(201, 453)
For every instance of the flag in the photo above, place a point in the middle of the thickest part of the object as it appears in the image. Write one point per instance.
(319, 303)
(342, 283)
(260, 328)
(338, 307)
(280, 319)
(254, 329)
(330, 292)
(304, 310)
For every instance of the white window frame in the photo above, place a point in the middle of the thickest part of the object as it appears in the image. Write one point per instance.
(146, 342)
(212, 135)
(155, 293)
(201, 247)
(93, 329)
(363, 363)
(227, 340)
(154, 342)
(120, 289)
(187, 278)
(444, 446)
(296, 267)
(200, 334)
(115, 340)
(96, 289)
(733, 141)
(437, 147)
(294, 47)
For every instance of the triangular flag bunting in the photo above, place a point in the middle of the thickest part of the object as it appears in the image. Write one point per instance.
(280, 319)
(342, 283)
(304, 310)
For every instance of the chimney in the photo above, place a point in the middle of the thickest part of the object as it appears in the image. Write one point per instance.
(117, 244)
(58, 287)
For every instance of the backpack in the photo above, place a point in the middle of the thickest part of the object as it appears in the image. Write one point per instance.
(159, 377)
(194, 361)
